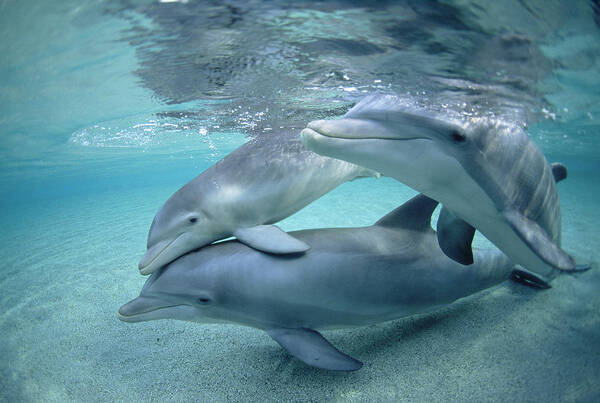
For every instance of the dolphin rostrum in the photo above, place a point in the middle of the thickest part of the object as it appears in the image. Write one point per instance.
(262, 182)
(349, 277)
(488, 175)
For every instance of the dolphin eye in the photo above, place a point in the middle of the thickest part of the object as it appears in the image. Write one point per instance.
(458, 137)
(193, 220)
(204, 300)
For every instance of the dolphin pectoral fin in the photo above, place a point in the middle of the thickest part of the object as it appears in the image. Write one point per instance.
(530, 279)
(455, 237)
(539, 242)
(365, 173)
(270, 239)
(311, 347)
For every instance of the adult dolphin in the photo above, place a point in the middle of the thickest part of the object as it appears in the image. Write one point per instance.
(350, 277)
(264, 181)
(489, 174)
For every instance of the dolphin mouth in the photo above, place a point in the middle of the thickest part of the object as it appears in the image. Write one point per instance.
(320, 129)
(146, 265)
(329, 143)
(143, 309)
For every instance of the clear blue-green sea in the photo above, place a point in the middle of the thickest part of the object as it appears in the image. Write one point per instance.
(108, 107)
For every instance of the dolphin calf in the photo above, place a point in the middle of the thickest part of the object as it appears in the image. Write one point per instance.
(349, 277)
(488, 175)
(262, 182)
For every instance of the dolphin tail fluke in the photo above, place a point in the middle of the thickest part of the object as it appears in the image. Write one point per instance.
(455, 237)
(270, 239)
(559, 171)
(539, 242)
(310, 347)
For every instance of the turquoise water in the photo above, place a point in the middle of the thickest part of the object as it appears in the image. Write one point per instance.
(106, 109)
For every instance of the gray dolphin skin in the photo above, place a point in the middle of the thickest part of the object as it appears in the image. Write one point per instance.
(488, 175)
(260, 183)
(349, 277)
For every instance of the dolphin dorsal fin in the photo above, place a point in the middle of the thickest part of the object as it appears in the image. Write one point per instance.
(559, 171)
(415, 214)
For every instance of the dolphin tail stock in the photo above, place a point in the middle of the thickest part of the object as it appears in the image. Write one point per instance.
(310, 347)
(270, 239)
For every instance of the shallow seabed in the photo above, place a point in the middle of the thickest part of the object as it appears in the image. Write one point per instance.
(97, 133)
(70, 262)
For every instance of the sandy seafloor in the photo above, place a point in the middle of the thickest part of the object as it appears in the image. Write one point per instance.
(69, 261)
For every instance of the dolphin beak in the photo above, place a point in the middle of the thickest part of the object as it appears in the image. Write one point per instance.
(146, 265)
(145, 308)
(392, 126)
(134, 309)
(349, 129)
(166, 251)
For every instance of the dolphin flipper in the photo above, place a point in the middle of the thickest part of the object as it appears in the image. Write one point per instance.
(270, 239)
(538, 241)
(312, 348)
(530, 279)
(455, 237)
(526, 277)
